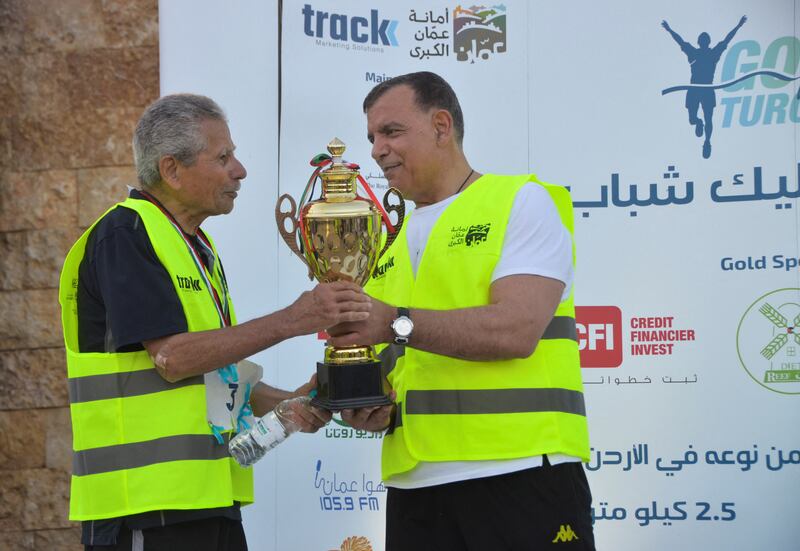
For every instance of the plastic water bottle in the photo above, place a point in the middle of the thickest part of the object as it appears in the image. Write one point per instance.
(267, 432)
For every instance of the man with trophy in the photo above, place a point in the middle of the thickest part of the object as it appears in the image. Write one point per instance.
(473, 317)
(155, 356)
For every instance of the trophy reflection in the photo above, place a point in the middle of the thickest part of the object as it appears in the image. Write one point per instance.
(338, 236)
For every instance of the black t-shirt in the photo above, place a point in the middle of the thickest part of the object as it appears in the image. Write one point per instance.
(125, 297)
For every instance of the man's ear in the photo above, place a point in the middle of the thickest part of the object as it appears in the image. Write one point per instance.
(168, 167)
(443, 126)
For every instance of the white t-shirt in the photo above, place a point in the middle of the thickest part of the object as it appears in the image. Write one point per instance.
(536, 243)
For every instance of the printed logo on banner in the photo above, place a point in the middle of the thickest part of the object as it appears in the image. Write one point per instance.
(599, 335)
(657, 335)
(337, 30)
(768, 341)
(347, 492)
(775, 262)
(478, 33)
(343, 430)
(752, 109)
(600, 331)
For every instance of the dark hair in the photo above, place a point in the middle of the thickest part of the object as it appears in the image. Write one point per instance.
(430, 92)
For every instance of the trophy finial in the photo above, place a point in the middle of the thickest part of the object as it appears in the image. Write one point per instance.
(336, 147)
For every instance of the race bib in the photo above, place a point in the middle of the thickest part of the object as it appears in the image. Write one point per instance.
(228, 396)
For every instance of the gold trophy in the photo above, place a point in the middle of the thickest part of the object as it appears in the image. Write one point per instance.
(338, 237)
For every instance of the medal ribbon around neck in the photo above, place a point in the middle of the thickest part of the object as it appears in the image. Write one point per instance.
(221, 305)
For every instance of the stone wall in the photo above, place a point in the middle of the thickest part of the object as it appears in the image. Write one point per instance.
(74, 77)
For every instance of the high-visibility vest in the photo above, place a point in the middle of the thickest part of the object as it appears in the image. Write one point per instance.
(141, 443)
(457, 410)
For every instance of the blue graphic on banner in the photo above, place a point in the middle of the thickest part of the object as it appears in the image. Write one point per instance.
(343, 493)
(745, 58)
(336, 26)
(701, 92)
(703, 62)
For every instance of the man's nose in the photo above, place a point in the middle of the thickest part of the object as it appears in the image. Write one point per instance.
(239, 171)
(379, 149)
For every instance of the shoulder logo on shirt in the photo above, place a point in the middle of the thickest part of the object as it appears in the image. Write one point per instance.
(381, 270)
(470, 236)
(188, 283)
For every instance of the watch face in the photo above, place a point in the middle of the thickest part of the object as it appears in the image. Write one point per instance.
(402, 327)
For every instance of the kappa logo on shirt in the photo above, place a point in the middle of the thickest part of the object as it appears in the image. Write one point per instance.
(188, 283)
(565, 534)
(470, 236)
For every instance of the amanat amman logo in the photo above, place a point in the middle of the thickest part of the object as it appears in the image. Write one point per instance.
(479, 32)
(768, 340)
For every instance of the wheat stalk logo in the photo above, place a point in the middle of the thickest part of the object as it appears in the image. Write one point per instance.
(778, 320)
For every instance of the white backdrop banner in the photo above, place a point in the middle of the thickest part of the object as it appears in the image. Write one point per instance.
(688, 288)
(690, 263)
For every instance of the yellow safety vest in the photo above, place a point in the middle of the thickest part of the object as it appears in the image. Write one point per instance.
(457, 410)
(141, 443)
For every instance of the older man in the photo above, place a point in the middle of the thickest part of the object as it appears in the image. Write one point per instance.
(154, 353)
(486, 440)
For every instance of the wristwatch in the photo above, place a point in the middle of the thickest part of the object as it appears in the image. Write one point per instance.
(402, 326)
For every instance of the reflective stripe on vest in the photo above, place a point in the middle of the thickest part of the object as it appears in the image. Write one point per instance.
(140, 442)
(495, 400)
(454, 410)
(560, 327)
(183, 447)
(503, 400)
(122, 385)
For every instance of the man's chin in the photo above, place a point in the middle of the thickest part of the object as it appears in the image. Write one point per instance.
(226, 206)
(396, 183)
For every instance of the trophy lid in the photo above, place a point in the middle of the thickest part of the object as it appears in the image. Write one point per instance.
(339, 179)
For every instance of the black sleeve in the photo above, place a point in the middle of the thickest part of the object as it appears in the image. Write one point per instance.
(127, 294)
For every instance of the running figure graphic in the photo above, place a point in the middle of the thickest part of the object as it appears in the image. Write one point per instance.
(703, 62)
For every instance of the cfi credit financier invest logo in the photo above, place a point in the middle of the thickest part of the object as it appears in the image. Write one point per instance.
(599, 335)
(600, 330)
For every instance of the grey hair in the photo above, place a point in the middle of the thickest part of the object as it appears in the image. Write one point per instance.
(171, 125)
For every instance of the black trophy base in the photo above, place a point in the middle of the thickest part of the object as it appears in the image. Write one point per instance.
(350, 386)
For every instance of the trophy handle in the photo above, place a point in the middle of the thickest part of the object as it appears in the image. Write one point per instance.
(400, 209)
(289, 236)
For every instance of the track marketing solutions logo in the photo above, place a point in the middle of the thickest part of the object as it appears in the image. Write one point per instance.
(768, 341)
(743, 63)
(349, 32)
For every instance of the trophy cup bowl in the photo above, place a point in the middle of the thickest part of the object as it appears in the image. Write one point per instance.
(339, 238)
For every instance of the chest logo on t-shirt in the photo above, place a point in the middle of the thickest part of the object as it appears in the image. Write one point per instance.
(470, 236)
(381, 270)
(188, 283)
